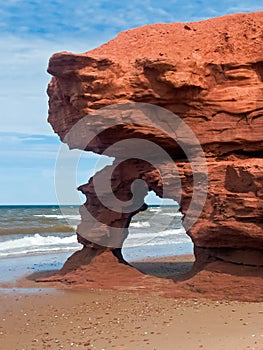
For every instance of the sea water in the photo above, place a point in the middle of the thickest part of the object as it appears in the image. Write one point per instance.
(38, 231)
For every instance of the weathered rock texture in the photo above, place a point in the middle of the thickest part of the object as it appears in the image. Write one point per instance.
(211, 75)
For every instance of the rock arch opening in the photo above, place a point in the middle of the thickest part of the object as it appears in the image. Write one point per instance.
(157, 243)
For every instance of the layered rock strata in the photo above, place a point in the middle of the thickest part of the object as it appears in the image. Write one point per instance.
(210, 74)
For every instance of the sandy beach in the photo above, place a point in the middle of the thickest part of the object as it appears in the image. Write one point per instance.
(99, 319)
(37, 316)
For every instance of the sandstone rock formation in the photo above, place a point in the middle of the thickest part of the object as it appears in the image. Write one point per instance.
(208, 73)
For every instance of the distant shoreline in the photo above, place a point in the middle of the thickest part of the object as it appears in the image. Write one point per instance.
(56, 206)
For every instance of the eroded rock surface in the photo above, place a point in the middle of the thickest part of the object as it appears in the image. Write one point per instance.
(208, 73)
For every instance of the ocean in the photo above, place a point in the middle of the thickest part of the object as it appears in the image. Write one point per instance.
(45, 234)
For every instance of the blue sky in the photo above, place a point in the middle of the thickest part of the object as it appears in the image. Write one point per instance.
(30, 31)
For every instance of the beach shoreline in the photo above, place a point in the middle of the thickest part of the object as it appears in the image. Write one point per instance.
(22, 275)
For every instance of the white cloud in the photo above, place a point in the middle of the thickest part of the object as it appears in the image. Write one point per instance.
(24, 80)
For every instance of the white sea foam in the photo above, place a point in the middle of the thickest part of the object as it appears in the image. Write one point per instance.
(155, 240)
(37, 243)
(53, 216)
(177, 214)
(155, 243)
(176, 233)
(157, 210)
(140, 224)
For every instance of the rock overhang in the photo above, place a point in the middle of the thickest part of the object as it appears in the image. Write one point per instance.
(210, 75)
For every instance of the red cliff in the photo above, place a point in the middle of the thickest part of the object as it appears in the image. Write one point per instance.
(210, 74)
